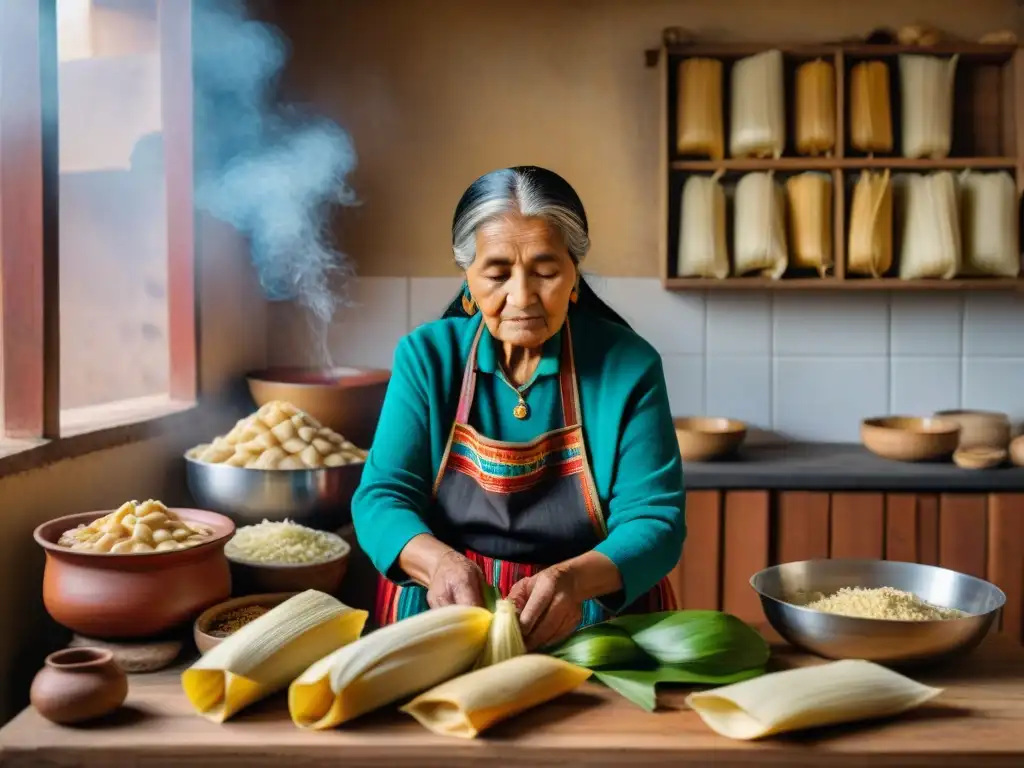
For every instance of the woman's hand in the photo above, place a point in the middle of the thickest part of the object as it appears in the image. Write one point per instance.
(456, 581)
(549, 609)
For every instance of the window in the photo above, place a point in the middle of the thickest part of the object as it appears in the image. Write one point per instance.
(97, 300)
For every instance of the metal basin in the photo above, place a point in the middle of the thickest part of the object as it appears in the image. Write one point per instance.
(317, 498)
(894, 643)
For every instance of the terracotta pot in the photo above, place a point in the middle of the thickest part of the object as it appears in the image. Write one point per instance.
(144, 595)
(78, 684)
(348, 400)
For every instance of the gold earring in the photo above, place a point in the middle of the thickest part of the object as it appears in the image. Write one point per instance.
(575, 295)
(468, 304)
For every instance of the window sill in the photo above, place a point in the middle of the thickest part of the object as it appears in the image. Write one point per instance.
(85, 430)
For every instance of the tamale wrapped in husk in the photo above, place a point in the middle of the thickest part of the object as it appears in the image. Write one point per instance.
(926, 91)
(703, 250)
(699, 125)
(809, 209)
(988, 216)
(758, 109)
(816, 108)
(870, 108)
(930, 243)
(869, 243)
(759, 236)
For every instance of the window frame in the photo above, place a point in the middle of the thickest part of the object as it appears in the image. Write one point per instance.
(29, 238)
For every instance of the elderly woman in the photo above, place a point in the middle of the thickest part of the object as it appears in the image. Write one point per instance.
(525, 440)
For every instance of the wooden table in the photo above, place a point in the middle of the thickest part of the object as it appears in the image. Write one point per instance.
(977, 722)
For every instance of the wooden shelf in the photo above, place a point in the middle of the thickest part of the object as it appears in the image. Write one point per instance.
(746, 165)
(840, 284)
(965, 50)
(987, 135)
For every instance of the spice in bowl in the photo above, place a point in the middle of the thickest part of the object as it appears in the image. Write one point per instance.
(234, 619)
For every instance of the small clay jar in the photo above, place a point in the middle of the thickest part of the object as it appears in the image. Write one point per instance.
(78, 684)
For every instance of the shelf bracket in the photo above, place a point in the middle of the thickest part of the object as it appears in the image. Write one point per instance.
(653, 55)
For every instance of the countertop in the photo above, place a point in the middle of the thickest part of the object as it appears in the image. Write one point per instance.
(773, 465)
(978, 722)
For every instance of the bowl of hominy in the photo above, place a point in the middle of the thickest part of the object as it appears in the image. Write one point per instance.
(133, 595)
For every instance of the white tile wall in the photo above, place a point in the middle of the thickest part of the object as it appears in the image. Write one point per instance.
(809, 366)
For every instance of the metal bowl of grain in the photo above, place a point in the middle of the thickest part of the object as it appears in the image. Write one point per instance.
(918, 613)
(222, 620)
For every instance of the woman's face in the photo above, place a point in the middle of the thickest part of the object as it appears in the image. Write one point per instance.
(521, 279)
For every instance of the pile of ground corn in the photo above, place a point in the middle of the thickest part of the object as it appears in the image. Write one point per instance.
(881, 603)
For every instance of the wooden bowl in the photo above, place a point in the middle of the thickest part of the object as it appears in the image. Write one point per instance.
(910, 438)
(979, 457)
(201, 629)
(1017, 451)
(986, 429)
(348, 400)
(703, 438)
(248, 578)
(131, 596)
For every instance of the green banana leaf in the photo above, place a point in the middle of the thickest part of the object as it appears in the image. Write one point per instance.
(640, 685)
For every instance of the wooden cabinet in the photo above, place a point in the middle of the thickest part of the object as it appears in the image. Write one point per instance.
(733, 534)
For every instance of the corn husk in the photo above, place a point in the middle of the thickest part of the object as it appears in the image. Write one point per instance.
(930, 246)
(699, 124)
(809, 214)
(869, 243)
(633, 654)
(472, 703)
(816, 108)
(758, 110)
(759, 234)
(505, 637)
(926, 90)
(808, 697)
(268, 653)
(988, 216)
(396, 661)
(703, 249)
(870, 107)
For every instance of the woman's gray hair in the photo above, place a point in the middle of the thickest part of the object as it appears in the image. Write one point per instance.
(516, 190)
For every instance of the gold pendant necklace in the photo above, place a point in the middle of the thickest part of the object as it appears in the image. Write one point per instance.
(521, 410)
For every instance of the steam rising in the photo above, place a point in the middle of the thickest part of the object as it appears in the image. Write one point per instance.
(271, 171)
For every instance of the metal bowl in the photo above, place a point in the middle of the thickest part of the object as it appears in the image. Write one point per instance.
(894, 643)
(317, 498)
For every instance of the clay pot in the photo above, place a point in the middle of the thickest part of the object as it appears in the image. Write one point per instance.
(78, 684)
(348, 400)
(112, 597)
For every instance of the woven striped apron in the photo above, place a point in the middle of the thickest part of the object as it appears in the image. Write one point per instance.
(516, 508)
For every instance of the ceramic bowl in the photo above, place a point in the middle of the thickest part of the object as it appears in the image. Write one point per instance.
(249, 578)
(910, 438)
(201, 629)
(704, 438)
(348, 400)
(984, 429)
(110, 597)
